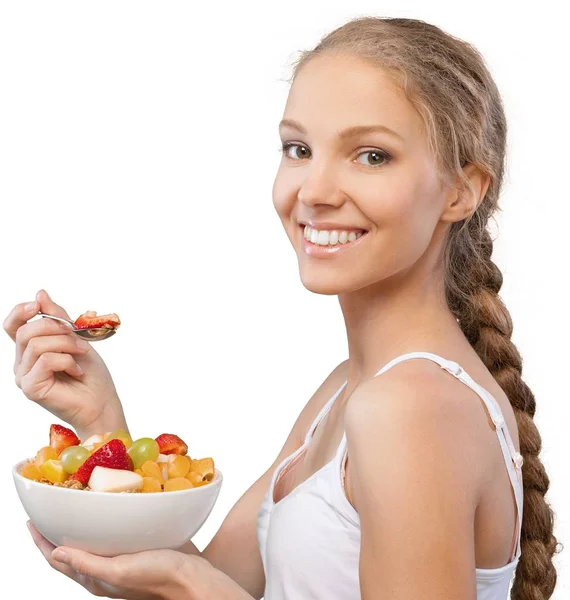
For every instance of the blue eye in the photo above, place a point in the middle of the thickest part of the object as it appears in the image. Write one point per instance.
(300, 151)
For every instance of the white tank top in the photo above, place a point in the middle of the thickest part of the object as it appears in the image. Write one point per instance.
(310, 540)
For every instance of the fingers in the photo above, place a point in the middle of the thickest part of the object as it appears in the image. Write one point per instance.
(48, 306)
(29, 331)
(35, 384)
(47, 548)
(19, 316)
(24, 311)
(94, 586)
(88, 565)
(38, 346)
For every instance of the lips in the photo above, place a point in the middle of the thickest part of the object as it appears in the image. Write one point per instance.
(326, 226)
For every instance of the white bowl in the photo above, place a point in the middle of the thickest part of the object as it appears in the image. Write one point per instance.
(109, 524)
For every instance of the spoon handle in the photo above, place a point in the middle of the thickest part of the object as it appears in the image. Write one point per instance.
(57, 319)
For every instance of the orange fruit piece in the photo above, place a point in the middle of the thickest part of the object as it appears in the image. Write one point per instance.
(203, 466)
(196, 479)
(177, 483)
(140, 472)
(44, 454)
(30, 471)
(53, 471)
(150, 485)
(178, 466)
(150, 468)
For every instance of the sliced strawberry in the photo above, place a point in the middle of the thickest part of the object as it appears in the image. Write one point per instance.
(112, 455)
(61, 437)
(171, 444)
(90, 319)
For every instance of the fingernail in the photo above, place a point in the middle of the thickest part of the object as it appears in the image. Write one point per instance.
(28, 526)
(60, 555)
(82, 344)
(30, 306)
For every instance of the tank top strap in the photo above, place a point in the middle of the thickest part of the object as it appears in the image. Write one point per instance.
(513, 459)
(324, 410)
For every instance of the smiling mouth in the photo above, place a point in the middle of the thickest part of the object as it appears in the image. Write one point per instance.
(330, 238)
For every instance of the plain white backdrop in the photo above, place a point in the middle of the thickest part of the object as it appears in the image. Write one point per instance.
(138, 148)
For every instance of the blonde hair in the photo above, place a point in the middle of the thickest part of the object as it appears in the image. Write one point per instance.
(447, 81)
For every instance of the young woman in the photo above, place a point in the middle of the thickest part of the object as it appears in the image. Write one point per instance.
(405, 473)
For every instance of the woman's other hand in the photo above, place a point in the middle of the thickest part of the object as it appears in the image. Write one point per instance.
(150, 575)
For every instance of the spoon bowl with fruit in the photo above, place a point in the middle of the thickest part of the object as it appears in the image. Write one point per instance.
(111, 495)
(90, 326)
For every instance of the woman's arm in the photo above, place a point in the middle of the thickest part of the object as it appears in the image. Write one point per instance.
(415, 484)
(239, 528)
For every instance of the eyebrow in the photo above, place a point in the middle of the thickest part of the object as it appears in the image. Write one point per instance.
(346, 133)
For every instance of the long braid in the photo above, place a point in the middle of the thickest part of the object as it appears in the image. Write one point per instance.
(473, 285)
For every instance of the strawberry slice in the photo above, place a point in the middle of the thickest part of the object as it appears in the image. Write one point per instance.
(171, 444)
(90, 319)
(112, 455)
(61, 437)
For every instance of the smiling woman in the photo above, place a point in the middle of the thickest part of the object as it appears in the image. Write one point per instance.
(393, 141)
(413, 471)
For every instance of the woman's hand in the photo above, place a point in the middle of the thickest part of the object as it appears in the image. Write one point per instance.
(151, 575)
(51, 369)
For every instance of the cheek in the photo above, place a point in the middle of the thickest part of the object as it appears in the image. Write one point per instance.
(282, 196)
(405, 216)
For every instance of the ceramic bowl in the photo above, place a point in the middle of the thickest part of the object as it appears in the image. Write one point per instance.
(108, 523)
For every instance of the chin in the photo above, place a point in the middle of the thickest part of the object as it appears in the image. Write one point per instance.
(318, 283)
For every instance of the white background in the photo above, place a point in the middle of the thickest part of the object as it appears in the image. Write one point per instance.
(138, 148)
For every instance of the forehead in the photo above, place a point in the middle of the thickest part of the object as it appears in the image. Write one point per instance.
(333, 92)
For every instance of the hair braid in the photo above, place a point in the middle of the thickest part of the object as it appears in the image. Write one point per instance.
(473, 284)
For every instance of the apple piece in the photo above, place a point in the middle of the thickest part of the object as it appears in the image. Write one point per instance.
(90, 442)
(104, 479)
(162, 458)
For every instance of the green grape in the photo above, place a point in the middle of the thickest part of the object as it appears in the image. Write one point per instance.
(73, 457)
(142, 450)
(121, 434)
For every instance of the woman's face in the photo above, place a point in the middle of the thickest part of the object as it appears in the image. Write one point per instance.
(380, 183)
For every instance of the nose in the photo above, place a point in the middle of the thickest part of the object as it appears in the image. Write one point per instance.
(320, 187)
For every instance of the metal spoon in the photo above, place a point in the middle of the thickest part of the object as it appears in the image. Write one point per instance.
(93, 334)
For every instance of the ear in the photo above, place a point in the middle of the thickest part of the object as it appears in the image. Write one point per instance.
(462, 201)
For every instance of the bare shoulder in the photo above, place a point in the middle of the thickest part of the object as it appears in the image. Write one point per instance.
(416, 481)
(416, 412)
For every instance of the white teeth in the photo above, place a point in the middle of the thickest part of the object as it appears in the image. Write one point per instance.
(330, 238)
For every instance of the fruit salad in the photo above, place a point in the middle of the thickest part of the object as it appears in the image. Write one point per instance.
(90, 319)
(113, 462)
